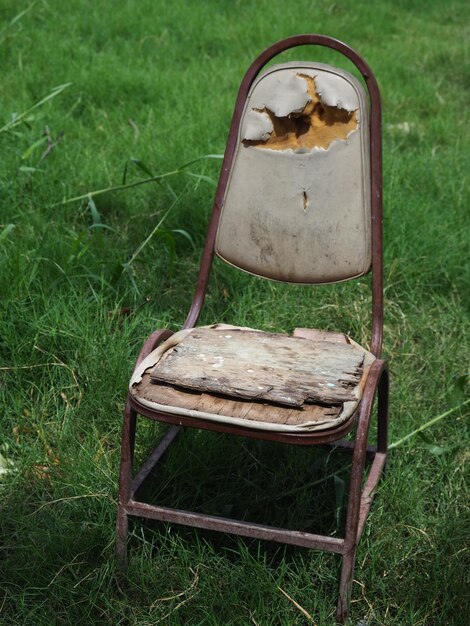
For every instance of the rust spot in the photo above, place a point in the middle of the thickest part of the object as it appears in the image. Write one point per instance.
(316, 126)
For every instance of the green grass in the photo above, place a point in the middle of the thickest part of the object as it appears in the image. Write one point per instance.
(156, 82)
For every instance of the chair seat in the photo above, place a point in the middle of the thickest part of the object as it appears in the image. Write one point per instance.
(310, 381)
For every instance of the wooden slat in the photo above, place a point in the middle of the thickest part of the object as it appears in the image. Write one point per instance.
(263, 366)
(320, 335)
(167, 395)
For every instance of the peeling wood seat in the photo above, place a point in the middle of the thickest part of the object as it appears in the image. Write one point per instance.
(245, 377)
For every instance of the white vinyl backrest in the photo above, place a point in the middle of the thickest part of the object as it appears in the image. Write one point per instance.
(297, 203)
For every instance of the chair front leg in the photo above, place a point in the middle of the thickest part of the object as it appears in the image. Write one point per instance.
(378, 380)
(127, 455)
(125, 478)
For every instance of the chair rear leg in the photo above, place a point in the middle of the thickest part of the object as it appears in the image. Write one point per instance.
(125, 477)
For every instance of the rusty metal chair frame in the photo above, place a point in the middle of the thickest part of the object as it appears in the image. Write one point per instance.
(360, 498)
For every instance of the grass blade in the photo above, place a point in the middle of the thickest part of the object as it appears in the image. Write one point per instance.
(431, 422)
(137, 183)
(6, 231)
(29, 151)
(95, 215)
(185, 234)
(154, 232)
(21, 117)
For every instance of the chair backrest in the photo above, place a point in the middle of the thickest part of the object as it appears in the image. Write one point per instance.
(299, 197)
(297, 203)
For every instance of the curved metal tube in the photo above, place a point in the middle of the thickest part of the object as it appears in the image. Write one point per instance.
(152, 342)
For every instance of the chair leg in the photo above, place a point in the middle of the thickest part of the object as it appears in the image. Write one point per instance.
(345, 585)
(125, 477)
(352, 522)
(355, 489)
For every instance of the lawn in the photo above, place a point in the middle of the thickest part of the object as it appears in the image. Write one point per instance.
(100, 96)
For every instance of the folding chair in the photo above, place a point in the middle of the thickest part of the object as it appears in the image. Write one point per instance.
(298, 200)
